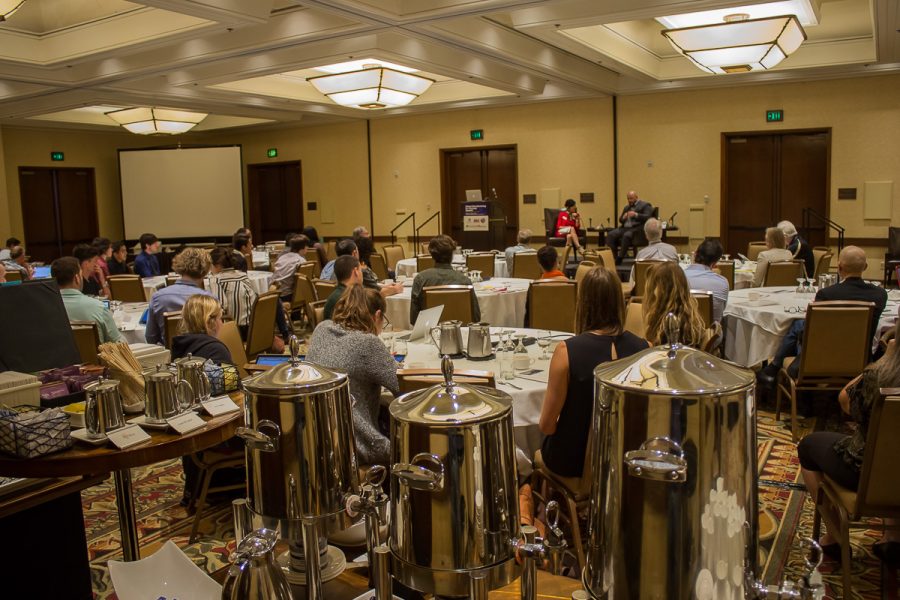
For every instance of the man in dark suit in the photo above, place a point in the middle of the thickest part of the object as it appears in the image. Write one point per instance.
(632, 219)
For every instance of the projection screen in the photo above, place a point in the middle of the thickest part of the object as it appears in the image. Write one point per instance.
(183, 192)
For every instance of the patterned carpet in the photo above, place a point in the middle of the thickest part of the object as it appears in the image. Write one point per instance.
(785, 515)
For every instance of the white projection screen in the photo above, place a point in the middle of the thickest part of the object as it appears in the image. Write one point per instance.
(182, 192)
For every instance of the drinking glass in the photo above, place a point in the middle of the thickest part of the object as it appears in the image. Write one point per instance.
(726, 257)
(399, 352)
(543, 343)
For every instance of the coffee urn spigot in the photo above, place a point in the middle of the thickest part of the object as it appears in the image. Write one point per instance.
(371, 502)
(808, 587)
(532, 548)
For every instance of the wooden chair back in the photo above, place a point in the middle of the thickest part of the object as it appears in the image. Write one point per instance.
(171, 279)
(583, 268)
(308, 268)
(423, 248)
(313, 261)
(424, 261)
(754, 248)
(303, 291)
(124, 288)
(878, 493)
(378, 266)
(837, 341)
(230, 335)
(481, 261)
(331, 250)
(16, 276)
(783, 273)
(823, 257)
(607, 258)
(411, 380)
(551, 305)
(393, 253)
(634, 318)
(261, 329)
(173, 322)
(705, 306)
(725, 268)
(315, 312)
(87, 339)
(323, 289)
(457, 300)
(526, 266)
(640, 275)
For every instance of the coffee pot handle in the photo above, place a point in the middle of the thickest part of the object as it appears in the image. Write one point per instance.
(91, 414)
(185, 399)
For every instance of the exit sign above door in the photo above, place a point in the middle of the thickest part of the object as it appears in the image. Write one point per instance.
(774, 115)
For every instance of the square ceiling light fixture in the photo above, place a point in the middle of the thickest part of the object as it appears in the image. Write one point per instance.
(739, 44)
(8, 7)
(148, 121)
(375, 85)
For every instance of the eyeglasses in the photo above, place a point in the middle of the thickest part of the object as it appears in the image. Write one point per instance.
(795, 309)
(385, 322)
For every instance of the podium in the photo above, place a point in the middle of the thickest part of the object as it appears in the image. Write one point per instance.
(483, 225)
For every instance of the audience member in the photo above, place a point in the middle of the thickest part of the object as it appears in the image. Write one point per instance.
(441, 248)
(522, 241)
(634, 215)
(348, 271)
(349, 342)
(104, 253)
(316, 244)
(2, 273)
(548, 258)
(798, 247)
(241, 248)
(365, 249)
(700, 275)
(145, 263)
(344, 247)
(360, 231)
(287, 263)
(569, 399)
(10, 244)
(67, 273)
(668, 292)
(656, 249)
(117, 264)
(775, 252)
(231, 288)
(568, 225)
(18, 261)
(851, 266)
(193, 265)
(94, 282)
(840, 457)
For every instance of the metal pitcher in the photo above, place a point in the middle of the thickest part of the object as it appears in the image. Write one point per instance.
(166, 396)
(450, 339)
(254, 574)
(479, 345)
(103, 407)
(190, 369)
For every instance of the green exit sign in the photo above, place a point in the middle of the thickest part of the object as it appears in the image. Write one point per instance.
(774, 116)
(272, 152)
(57, 156)
(476, 135)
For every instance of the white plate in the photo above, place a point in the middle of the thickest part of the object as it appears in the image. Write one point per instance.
(166, 574)
(142, 421)
(82, 436)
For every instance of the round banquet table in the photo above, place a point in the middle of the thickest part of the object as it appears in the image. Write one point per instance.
(408, 266)
(84, 459)
(753, 330)
(502, 303)
(527, 390)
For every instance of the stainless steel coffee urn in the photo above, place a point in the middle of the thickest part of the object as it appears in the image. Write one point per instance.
(301, 462)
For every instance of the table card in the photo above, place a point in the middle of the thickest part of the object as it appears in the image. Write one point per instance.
(220, 406)
(186, 422)
(128, 436)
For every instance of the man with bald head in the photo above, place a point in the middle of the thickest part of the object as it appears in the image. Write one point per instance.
(634, 215)
(851, 266)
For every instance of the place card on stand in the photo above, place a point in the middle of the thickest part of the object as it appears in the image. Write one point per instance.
(128, 436)
(186, 422)
(221, 405)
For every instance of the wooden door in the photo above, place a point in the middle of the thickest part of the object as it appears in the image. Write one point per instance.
(275, 194)
(59, 210)
(463, 172)
(768, 178)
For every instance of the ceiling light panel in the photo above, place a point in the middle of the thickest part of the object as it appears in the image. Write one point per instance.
(806, 12)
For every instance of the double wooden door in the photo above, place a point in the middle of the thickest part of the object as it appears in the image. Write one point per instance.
(494, 171)
(768, 178)
(275, 192)
(59, 210)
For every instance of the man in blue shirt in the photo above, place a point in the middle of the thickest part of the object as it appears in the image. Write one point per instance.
(700, 275)
(344, 247)
(193, 265)
(145, 263)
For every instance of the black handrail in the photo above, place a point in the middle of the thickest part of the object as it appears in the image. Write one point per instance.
(412, 216)
(429, 220)
(810, 213)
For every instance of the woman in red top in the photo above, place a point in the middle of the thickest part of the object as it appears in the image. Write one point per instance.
(568, 224)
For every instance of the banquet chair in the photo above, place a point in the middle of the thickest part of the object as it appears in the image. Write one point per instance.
(526, 266)
(172, 323)
(754, 248)
(331, 250)
(315, 312)
(458, 301)
(424, 261)
(315, 268)
(308, 269)
(640, 275)
(551, 305)
(823, 256)
(878, 493)
(411, 380)
(209, 461)
(304, 292)
(230, 335)
(323, 288)
(725, 268)
(704, 305)
(125, 288)
(261, 329)
(481, 261)
(607, 258)
(17, 276)
(634, 317)
(171, 279)
(583, 268)
(378, 266)
(782, 273)
(393, 253)
(87, 339)
(276, 246)
(837, 340)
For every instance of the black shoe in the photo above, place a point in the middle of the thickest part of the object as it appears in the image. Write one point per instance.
(888, 552)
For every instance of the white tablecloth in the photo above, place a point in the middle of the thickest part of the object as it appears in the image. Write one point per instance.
(151, 284)
(527, 396)
(408, 266)
(127, 317)
(502, 303)
(753, 330)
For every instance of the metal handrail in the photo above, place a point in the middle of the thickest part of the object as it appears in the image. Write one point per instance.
(412, 216)
(810, 213)
(429, 220)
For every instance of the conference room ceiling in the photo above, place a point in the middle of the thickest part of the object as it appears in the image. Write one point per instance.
(64, 63)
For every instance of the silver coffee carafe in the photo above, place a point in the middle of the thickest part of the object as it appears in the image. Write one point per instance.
(449, 339)
(166, 396)
(190, 369)
(479, 344)
(103, 407)
(254, 575)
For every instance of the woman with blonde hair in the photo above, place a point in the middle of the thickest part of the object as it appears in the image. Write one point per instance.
(776, 251)
(349, 342)
(568, 402)
(667, 291)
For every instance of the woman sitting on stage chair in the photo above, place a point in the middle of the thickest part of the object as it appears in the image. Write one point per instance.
(568, 225)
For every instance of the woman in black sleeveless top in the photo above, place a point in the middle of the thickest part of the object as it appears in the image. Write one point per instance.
(568, 403)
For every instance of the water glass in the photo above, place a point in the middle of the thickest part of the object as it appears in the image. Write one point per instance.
(505, 358)
(399, 351)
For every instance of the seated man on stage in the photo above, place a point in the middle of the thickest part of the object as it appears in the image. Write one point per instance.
(633, 217)
(568, 225)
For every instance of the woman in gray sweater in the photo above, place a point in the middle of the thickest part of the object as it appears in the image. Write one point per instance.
(349, 342)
